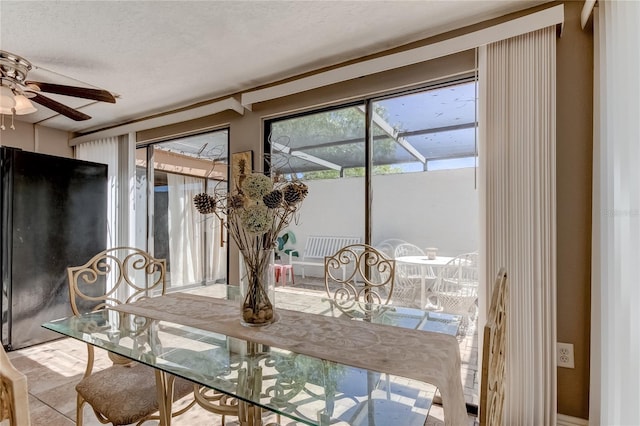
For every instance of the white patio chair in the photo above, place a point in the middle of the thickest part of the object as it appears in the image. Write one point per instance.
(408, 249)
(404, 290)
(409, 277)
(388, 246)
(456, 288)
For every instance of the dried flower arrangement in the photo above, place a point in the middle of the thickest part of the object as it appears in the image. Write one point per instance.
(254, 214)
(257, 211)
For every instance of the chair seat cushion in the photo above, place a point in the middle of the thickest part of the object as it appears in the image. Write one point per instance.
(124, 394)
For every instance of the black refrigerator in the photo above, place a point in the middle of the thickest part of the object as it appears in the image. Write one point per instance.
(53, 216)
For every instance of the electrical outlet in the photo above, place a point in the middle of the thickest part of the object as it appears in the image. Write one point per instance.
(565, 355)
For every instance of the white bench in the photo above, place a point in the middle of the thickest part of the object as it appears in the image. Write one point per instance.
(317, 247)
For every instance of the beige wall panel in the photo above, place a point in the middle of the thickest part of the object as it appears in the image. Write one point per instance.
(416, 75)
(187, 127)
(36, 138)
(22, 137)
(52, 142)
(574, 170)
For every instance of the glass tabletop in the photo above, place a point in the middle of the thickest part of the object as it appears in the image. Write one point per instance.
(308, 390)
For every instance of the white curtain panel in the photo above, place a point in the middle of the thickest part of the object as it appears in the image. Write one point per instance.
(517, 189)
(615, 325)
(105, 151)
(117, 153)
(186, 231)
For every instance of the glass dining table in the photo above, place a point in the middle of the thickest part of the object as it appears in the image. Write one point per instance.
(314, 366)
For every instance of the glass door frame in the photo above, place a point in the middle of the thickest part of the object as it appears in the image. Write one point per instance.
(150, 173)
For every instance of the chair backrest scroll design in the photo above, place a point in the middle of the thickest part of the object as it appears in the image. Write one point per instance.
(492, 391)
(114, 276)
(368, 281)
(14, 394)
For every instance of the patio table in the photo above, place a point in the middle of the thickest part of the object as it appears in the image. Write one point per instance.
(425, 264)
(201, 339)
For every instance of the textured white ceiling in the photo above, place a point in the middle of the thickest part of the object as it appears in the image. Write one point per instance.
(160, 55)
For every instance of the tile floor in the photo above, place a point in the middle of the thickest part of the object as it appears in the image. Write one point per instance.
(55, 367)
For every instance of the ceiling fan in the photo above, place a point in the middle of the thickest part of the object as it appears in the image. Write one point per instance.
(15, 89)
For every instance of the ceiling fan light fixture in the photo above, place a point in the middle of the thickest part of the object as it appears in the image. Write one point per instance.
(7, 100)
(24, 105)
(16, 90)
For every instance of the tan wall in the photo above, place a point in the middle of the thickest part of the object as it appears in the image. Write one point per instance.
(36, 138)
(574, 156)
(574, 151)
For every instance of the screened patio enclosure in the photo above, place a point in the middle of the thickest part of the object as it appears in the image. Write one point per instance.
(423, 163)
(421, 131)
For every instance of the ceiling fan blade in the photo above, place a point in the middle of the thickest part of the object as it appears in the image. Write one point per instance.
(60, 108)
(78, 92)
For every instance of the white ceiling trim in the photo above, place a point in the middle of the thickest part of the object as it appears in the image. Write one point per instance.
(228, 104)
(515, 27)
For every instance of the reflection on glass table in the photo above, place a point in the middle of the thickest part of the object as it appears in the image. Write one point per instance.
(306, 389)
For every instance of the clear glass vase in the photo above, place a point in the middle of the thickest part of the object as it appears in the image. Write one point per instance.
(257, 284)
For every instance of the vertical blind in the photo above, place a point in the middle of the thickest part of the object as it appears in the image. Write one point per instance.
(517, 111)
(615, 333)
(117, 153)
(108, 151)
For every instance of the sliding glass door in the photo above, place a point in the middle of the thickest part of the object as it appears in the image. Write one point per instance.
(325, 149)
(424, 157)
(413, 183)
(193, 244)
(399, 172)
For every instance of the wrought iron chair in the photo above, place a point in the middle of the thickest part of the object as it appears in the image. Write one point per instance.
(14, 394)
(456, 288)
(367, 285)
(366, 291)
(493, 354)
(125, 392)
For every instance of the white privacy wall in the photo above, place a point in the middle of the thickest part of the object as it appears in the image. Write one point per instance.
(431, 209)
